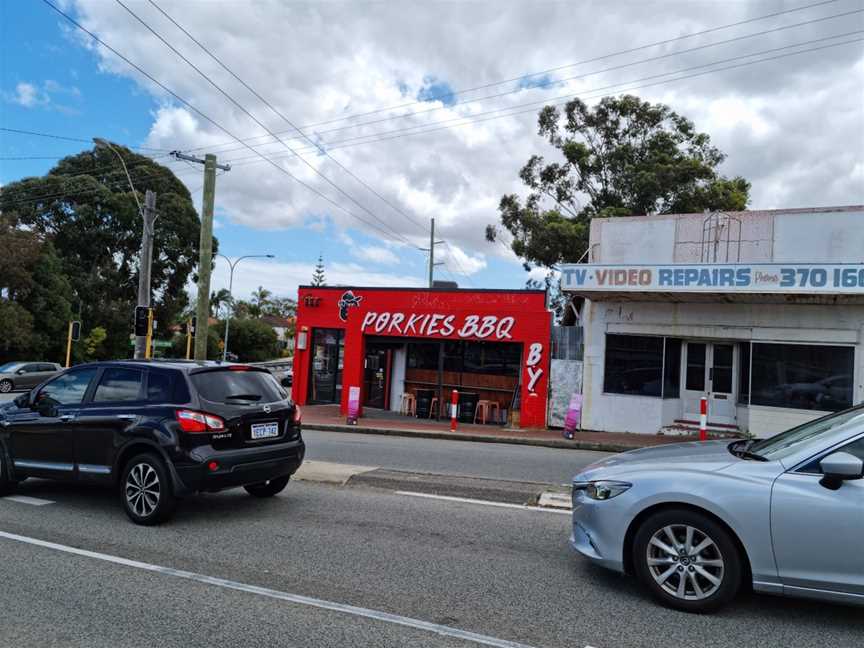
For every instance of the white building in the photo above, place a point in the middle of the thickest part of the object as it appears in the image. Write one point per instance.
(761, 312)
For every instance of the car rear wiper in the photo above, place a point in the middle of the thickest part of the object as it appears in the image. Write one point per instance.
(745, 452)
(252, 397)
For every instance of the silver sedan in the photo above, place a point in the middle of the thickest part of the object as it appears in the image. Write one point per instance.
(697, 521)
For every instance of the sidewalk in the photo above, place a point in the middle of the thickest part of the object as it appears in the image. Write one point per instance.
(327, 417)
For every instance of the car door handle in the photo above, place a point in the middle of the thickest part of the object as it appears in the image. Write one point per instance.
(65, 418)
(127, 417)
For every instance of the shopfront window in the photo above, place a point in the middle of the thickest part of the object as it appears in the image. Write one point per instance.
(744, 374)
(328, 356)
(423, 356)
(672, 369)
(634, 365)
(802, 376)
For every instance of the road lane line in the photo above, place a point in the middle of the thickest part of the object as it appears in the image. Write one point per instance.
(24, 499)
(299, 599)
(467, 500)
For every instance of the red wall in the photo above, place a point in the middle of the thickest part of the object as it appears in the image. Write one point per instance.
(493, 316)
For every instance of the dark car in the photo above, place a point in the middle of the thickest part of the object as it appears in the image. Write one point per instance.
(156, 431)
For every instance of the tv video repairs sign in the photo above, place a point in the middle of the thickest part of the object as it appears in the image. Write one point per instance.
(804, 278)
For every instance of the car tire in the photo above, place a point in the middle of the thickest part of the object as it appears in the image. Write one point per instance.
(146, 490)
(678, 546)
(6, 386)
(268, 488)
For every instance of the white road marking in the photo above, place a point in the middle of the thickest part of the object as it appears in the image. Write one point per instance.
(24, 499)
(466, 500)
(299, 599)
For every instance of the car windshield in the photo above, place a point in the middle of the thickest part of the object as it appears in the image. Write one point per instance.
(790, 441)
(228, 386)
(10, 367)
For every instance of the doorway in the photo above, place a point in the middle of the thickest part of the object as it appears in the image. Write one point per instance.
(376, 375)
(328, 357)
(710, 370)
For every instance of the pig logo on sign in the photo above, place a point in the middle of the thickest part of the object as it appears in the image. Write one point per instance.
(346, 301)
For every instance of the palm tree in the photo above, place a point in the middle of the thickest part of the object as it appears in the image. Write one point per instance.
(260, 299)
(218, 299)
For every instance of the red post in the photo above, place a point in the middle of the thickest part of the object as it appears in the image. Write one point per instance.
(703, 418)
(454, 402)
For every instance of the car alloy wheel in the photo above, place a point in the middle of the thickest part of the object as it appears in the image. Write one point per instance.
(5, 386)
(143, 489)
(685, 561)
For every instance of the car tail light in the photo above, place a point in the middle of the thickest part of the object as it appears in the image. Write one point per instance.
(298, 415)
(199, 422)
(238, 368)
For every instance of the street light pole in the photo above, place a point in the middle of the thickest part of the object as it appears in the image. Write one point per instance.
(145, 260)
(232, 265)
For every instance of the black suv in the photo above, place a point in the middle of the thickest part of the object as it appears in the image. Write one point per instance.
(156, 430)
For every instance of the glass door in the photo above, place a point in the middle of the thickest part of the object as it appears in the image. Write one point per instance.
(328, 354)
(710, 371)
(376, 378)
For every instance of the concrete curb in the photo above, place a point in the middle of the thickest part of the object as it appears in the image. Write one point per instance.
(532, 494)
(599, 446)
(494, 490)
(327, 472)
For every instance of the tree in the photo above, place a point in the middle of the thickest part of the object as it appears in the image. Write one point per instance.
(260, 300)
(218, 299)
(214, 338)
(318, 278)
(283, 307)
(91, 348)
(34, 297)
(624, 157)
(85, 208)
(252, 340)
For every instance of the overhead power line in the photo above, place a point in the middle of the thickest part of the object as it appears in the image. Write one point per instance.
(211, 120)
(19, 131)
(582, 62)
(530, 107)
(230, 98)
(279, 113)
(116, 184)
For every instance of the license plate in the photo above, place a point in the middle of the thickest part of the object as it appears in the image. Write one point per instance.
(265, 430)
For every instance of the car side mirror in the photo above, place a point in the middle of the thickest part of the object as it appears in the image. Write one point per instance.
(20, 372)
(839, 467)
(22, 401)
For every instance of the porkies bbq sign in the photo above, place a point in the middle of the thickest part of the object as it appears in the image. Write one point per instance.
(438, 325)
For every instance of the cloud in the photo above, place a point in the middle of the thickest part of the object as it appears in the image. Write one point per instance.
(31, 95)
(28, 95)
(283, 278)
(791, 126)
(375, 254)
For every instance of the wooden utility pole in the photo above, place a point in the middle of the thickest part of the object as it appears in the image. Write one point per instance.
(205, 248)
(431, 250)
(145, 263)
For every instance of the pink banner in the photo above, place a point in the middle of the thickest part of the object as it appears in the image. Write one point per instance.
(353, 404)
(574, 416)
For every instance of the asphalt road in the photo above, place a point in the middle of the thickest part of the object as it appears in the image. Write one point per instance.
(506, 574)
(491, 460)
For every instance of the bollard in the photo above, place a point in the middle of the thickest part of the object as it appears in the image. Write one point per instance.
(454, 403)
(703, 418)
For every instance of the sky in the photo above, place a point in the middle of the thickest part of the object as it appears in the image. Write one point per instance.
(413, 110)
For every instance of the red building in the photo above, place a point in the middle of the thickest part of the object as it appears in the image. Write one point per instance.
(490, 345)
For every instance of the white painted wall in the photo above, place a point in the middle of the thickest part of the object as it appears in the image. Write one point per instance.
(804, 235)
(815, 324)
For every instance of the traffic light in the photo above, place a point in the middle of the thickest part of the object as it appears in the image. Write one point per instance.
(194, 323)
(142, 320)
(189, 327)
(75, 331)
